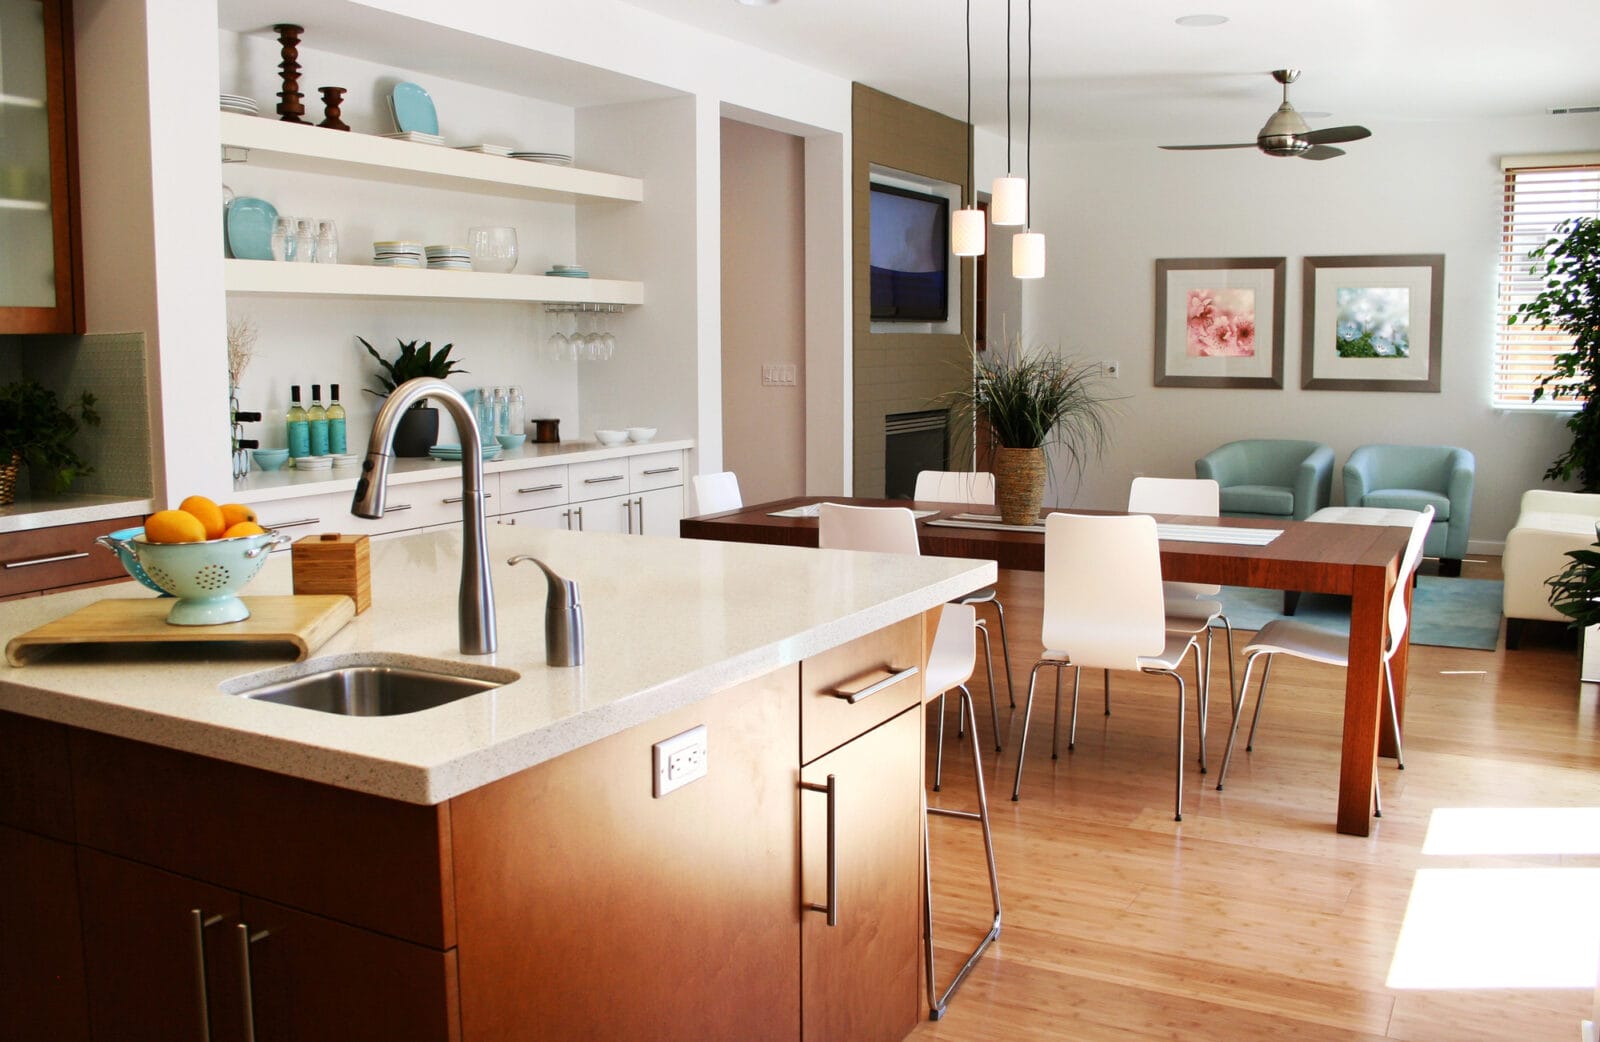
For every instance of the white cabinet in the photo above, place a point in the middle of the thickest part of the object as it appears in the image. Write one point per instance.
(421, 504)
(633, 495)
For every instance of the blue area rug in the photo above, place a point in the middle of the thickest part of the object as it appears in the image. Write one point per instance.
(1449, 613)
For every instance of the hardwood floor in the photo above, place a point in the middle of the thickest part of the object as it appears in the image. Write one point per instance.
(1253, 919)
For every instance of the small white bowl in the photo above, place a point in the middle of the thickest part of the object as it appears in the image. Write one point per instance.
(640, 434)
(611, 437)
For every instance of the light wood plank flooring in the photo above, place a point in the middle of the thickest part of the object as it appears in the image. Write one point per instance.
(1252, 919)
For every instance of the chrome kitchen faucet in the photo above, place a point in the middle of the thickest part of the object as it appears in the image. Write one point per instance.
(476, 600)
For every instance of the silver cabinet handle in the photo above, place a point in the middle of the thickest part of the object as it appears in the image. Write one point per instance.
(458, 499)
(627, 504)
(396, 508)
(47, 560)
(660, 470)
(539, 488)
(867, 692)
(246, 939)
(579, 512)
(602, 481)
(831, 909)
(296, 524)
(640, 504)
(201, 921)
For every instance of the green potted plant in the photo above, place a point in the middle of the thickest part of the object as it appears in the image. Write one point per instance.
(35, 429)
(419, 427)
(1569, 263)
(1022, 401)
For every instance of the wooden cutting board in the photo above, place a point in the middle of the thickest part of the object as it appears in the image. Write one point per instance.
(298, 625)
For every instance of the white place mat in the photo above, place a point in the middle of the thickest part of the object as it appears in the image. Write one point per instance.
(1174, 532)
(812, 510)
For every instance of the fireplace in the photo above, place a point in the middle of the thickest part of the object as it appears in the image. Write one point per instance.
(913, 442)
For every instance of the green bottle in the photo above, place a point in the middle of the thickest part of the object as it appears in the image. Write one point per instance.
(336, 443)
(317, 420)
(299, 429)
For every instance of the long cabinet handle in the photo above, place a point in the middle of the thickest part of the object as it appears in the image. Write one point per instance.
(47, 560)
(579, 512)
(396, 508)
(867, 692)
(296, 524)
(246, 939)
(639, 503)
(627, 504)
(660, 470)
(602, 481)
(540, 488)
(201, 921)
(831, 909)
(457, 499)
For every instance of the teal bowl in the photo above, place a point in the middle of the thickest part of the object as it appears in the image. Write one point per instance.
(270, 459)
(119, 543)
(206, 577)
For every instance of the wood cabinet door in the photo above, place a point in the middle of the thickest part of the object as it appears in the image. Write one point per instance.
(157, 959)
(316, 980)
(858, 979)
(41, 951)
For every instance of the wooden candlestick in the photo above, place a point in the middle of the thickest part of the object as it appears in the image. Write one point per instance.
(290, 108)
(332, 98)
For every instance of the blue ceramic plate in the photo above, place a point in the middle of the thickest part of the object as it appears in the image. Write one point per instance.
(413, 109)
(250, 224)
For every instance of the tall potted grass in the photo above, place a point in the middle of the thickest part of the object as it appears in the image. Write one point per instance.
(1023, 401)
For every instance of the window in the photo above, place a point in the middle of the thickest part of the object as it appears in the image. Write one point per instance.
(1539, 193)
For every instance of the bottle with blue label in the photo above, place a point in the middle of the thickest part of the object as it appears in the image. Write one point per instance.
(317, 422)
(336, 443)
(298, 424)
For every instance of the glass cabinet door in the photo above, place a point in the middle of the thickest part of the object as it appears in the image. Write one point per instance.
(36, 248)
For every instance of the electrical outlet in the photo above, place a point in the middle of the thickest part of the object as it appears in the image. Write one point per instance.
(679, 760)
(1112, 368)
(786, 375)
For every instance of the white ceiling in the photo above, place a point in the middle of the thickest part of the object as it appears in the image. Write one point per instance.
(1123, 69)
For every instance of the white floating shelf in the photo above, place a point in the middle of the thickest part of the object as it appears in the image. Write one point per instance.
(368, 280)
(311, 149)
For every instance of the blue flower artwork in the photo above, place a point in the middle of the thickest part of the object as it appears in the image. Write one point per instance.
(1373, 322)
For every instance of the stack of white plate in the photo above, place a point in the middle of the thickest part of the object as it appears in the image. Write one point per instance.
(449, 258)
(397, 254)
(417, 136)
(240, 104)
(486, 149)
(553, 158)
(347, 461)
(569, 271)
(313, 462)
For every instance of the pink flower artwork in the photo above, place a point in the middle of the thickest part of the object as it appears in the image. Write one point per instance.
(1221, 323)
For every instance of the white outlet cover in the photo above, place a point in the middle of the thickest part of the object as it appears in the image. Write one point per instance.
(679, 760)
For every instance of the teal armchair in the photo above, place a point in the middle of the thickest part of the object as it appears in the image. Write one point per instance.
(1272, 478)
(1409, 477)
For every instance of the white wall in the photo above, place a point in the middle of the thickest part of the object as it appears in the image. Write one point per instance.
(1110, 210)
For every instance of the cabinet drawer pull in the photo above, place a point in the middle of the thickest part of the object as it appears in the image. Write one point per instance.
(458, 499)
(538, 488)
(47, 560)
(296, 524)
(831, 909)
(867, 692)
(579, 512)
(602, 481)
(639, 503)
(627, 505)
(246, 939)
(395, 508)
(660, 470)
(201, 921)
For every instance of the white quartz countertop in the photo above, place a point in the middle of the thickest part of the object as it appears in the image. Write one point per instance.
(70, 509)
(667, 621)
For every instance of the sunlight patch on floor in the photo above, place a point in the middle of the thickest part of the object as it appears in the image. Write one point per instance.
(1513, 830)
(1500, 928)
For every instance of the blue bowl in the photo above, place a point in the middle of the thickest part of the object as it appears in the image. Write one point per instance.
(270, 459)
(119, 543)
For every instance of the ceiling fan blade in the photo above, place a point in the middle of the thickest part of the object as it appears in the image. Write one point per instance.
(1321, 152)
(1201, 148)
(1336, 135)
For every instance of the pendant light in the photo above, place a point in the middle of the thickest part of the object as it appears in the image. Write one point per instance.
(1008, 205)
(1027, 247)
(967, 232)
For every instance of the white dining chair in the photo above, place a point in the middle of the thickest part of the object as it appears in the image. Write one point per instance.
(893, 530)
(1304, 641)
(977, 489)
(715, 493)
(1104, 609)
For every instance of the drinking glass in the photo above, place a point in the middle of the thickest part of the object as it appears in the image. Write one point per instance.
(493, 249)
(283, 238)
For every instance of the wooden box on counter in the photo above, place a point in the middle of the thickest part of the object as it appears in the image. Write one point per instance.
(334, 563)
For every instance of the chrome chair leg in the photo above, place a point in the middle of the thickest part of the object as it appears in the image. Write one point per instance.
(1394, 716)
(1005, 652)
(1177, 814)
(1238, 711)
(1027, 718)
(994, 711)
(1261, 696)
(938, 749)
(1077, 678)
(938, 1000)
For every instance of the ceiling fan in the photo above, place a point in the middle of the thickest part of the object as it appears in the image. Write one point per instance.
(1286, 134)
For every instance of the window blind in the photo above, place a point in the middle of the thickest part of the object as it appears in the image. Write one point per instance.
(1539, 192)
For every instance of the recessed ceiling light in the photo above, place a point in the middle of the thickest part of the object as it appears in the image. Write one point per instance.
(1192, 21)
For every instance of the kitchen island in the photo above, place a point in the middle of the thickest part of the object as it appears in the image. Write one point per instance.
(496, 867)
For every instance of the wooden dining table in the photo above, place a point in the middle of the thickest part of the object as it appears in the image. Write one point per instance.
(1359, 561)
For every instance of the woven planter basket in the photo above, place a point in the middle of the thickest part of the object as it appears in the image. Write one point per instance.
(8, 480)
(1019, 484)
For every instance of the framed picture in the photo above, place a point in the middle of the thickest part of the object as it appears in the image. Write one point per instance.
(1373, 323)
(1219, 322)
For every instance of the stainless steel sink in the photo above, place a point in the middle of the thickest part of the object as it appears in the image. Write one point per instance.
(371, 690)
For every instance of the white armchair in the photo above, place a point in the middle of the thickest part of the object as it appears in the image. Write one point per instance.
(1548, 525)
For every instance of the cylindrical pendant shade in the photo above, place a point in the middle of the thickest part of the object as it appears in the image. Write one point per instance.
(967, 233)
(1009, 207)
(1027, 255)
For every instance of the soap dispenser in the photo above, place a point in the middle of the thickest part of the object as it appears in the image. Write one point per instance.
(563, 617)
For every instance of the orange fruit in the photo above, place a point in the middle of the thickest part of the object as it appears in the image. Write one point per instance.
(233, 513)
(243, 528)
(174, 526)
(208, 512)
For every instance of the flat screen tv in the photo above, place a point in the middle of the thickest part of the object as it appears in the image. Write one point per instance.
(910, 255)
